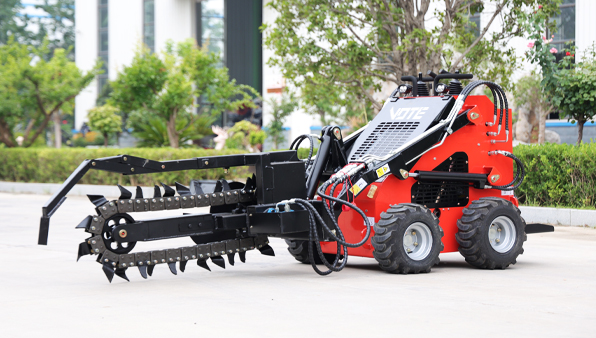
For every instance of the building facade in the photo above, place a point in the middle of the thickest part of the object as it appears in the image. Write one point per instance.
(111, 30)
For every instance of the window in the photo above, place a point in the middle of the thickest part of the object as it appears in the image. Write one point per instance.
(212, 27)
(149, 24)
(103, 43)
(564, 37)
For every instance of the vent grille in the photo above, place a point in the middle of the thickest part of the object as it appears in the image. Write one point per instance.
(440, 194)
(386, 137)
(444, 194)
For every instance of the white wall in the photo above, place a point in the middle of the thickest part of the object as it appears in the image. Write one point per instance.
(173, 20)
(85, 54)
(585, 24)
(125, 29)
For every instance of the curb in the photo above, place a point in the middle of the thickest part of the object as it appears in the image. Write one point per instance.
(556, 216)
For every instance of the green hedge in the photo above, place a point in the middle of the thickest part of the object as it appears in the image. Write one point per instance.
(558, 175)
(50, 165)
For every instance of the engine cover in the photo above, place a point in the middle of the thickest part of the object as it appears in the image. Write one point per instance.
(399, 122)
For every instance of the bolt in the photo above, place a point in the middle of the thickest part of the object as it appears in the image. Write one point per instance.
(192, 197)
(214, 195)
(499, 229)
(96, 250)
(153, 200)
(413, 232)
(171, 259)
(161, 199)
(140, 262)
(132, 169)
(113, 263)
(497, 240)
(199, 197)
(122, 233)
(225, 170)
(413, 196)
(104, 208)
(93, 241)
(95, 219)
(228, 194)
(93, 227)
(223, 252)
(208, 255)
(201, 255)
(186, 257)
(163, 260)
(434, 158)
(479, 144)
(206, 162)
(125, 158)
(177, 258)
(183, 198)
(106, 260)
(415, 243)
(163, 166)
(408, 250)
(93, 164)
(194, 256)
(138, 201)
(169, 199)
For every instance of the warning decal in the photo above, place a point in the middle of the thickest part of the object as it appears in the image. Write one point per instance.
(382, 171)
(358, 187)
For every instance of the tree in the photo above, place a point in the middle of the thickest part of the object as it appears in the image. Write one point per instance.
(43, 85)
(355, 46)
(245, 135)
(165, 87)
(528, 92)
(10, 24)
(105, 119)
(280, 110)
(56, 27)
(570, 85)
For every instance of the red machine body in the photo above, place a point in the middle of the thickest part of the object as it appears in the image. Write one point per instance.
(472, 140)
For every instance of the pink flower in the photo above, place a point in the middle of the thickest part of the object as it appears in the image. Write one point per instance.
(553, 50)
(568, 54)
(531, 45)
(544, 38)
(540, 7)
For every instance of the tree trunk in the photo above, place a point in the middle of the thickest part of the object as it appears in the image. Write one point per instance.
(29, 141)
(580, 131)
(172, 134)
(6, 134)
(541, 126)
(105, 140)
(57, 130)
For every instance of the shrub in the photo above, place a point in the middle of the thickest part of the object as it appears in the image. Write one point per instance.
(49, 165)
(558, 175)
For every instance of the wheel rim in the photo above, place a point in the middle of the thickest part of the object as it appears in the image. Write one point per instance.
(417, 241)
(502, 234)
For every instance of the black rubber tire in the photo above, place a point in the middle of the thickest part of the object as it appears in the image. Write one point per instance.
(299, 250)
(389, 234)
(472, 234)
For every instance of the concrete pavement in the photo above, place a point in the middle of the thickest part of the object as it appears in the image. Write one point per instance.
(550, 292)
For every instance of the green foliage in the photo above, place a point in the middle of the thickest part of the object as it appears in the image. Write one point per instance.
(105, 119)
(245, 135)
(49, 165)
(280, 110)
(349, 49)
(55, 28)
(152, 131)
(43, 85)
(165, 87)
(558, 174)
(570, 84)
